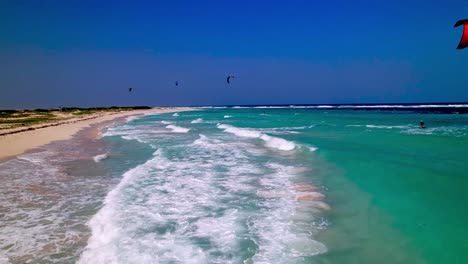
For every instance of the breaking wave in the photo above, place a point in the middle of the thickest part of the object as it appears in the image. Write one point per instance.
(270, 141)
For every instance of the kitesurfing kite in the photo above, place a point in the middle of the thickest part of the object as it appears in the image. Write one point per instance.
(229, 78)
(464, 40)
(130, 89)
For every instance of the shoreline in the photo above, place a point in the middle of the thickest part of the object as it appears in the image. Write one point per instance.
(17, 142)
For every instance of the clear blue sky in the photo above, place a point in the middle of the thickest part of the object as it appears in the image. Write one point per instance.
(82, 53)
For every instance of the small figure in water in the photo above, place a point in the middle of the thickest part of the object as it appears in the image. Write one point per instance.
(421, 124)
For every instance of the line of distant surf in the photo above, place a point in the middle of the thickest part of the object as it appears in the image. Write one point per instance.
(370, 105)
(459, 108)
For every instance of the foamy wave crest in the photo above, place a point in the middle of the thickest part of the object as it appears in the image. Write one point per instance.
(435, 106)
(202, 140)
(283, 130)
(278, 143)
(157, 211)
(175, 114)
(270, 141)
(387, 127)
(196, 121)
(166, 122)
(177, 129)
(131, 118)
(241, 132)
(227, 116)
(126, 132)
(100, 157)
(111, 240)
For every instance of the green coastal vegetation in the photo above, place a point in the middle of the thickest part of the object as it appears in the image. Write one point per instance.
(11, 118)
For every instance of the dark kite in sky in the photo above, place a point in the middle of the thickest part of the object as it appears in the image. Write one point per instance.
(229, 78)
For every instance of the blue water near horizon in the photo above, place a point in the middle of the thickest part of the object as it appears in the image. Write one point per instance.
(264, 184)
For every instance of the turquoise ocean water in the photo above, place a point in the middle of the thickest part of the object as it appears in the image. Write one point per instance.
(247, 185)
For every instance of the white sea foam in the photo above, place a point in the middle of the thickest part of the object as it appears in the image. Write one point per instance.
(282, 130)
(212, 107)
(175, 114)
(227, 116)
(100, 157)
(386, 106)
(387, 127)
(355, 125)
(166, 122)
(177, 129)
(196, 208)
(175, 194)
(131, 118)
(43, 214)
(142, 133)
(383, 106)
(278, 143)
(202, 140)
(241, 132)
(456, 131)
(125, 132)
(196, 121)
(290, 236)
(267, 107)
(279, 208)
(270, 141)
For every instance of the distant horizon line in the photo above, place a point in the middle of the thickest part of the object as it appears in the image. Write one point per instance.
(447, 104)
(335, 104)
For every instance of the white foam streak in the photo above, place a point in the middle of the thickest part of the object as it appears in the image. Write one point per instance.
(196, 121)
(278, 143)
(383, 106)
(99, 158)
(131, 118)
(387, 127)
(270, 141)
(241, 132)
(177, 129)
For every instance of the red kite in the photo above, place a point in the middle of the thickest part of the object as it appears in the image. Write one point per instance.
(464, 40)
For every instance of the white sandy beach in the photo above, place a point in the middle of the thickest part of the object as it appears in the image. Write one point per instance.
(15, 144)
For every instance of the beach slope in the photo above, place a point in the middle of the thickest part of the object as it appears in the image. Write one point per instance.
(14, 142)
